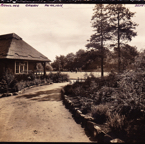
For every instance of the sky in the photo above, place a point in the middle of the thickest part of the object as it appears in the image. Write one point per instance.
(56, 31)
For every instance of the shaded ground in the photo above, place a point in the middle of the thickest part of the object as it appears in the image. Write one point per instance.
(38, 115)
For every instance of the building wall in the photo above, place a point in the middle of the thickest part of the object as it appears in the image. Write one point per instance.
(4, 64)
(31, 65)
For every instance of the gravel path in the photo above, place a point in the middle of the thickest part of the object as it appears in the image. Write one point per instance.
(38, 115)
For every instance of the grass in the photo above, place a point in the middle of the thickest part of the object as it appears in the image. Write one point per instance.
(80, 75)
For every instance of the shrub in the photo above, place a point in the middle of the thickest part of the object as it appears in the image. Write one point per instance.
(8, 76)
(135, 130)
(78, 91)
(31, 76)
(117, 122)
(44, 80)
(100, 113)
(3, 86)
(7, 81)
(20, 85)
(25, 77)
(56, 77)
(68, 90)
(86, 105)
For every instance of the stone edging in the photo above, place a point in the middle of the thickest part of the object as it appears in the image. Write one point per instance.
(87, 122)
(22, 90)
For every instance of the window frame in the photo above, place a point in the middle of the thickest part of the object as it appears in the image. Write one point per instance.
(20, 66)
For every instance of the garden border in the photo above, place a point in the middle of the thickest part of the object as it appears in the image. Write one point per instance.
(87, 122)
(22, 90)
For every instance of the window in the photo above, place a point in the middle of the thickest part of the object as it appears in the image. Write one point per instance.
(21, 67)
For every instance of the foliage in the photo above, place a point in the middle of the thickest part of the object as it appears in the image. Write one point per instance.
(23, 84)
(127, 57)
(86, 104)
(7, 81)
(82, 60)
(57, 77)
(3, 86)
(122, 26)
(139, 64)
(102, 29)
(49, 67)
(116, 122)
(100, 113)
(117, 98)
(59, 63)
(25, 77)
(8, 76)
(14, 83)
(39, 66)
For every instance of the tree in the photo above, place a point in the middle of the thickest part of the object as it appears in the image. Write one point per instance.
(70, 60)
(39, 66)
(127, 55)
(59, 63)
(70, 57)
(79, 53)
(62, 61)
(102, 32)
(55, 63)
(121, 25)
(49, 67)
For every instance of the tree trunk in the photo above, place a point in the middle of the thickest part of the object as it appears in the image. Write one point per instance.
(102, 53)
(44, 68)
(118, 46)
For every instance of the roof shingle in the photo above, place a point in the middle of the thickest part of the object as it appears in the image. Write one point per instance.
(13, 47)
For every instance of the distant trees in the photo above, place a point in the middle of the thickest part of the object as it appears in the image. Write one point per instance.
(80, 60)
(127, 57)
(49, 67)
(59, 63)
(113, 27)
(39, 66)
(89, 60)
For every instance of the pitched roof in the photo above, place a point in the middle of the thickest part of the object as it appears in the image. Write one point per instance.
(13, 47)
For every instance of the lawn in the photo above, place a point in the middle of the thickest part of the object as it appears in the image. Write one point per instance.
(80, 75)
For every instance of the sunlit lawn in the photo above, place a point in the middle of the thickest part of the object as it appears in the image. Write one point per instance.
(80, 75)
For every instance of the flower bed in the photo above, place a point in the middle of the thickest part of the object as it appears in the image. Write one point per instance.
(116, 102)
(13, 83)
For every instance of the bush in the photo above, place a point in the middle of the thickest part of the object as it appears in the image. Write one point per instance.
(68, 90)
(19, 86)
(117, 122)
(100, 113)
(12, 83)
(25, 77)
(86, 105)
(135, 130)
(56, 77)
(23, 84)
(7, 81)
(3, 86)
